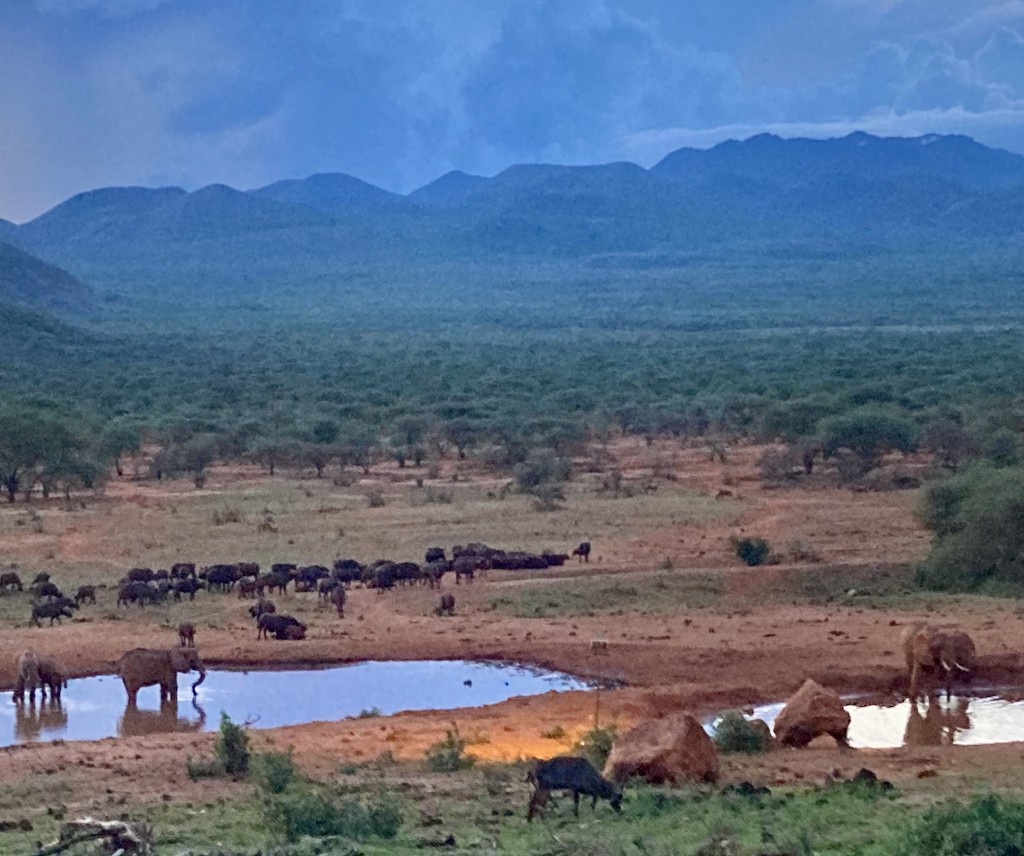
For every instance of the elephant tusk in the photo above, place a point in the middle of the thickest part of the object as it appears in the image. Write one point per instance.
(961, 668)
(946, 666)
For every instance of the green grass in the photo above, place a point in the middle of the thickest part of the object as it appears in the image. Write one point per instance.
(660, 593)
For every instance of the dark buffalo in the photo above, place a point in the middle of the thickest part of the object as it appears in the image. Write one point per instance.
(137, 592)
(140, 575)
(447, 605)
(277, 624)
(262, 607)
(187, 585)
(85, 593)
(568, 773)
(10, 581)
(248, 569)
(338, 599)
(434, 573)
(183, 570)
(220, 577)
(53, 611)
(283, 568)
(48, 590)
(583, 551)
(434, 554)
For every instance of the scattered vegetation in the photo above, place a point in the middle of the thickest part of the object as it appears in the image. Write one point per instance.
(596, 744)
(273, 771)
(986, 826)
(753, 551)
(314, 812)
(449, 755)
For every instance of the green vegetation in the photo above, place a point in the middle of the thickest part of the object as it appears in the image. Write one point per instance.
(596, 744)
(986, 826)
(753, 551)
(978, 520)
(273, 771)
(734, 733)
(310, 811)
(449, 755)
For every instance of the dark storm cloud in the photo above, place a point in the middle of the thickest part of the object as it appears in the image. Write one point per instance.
(97, 92)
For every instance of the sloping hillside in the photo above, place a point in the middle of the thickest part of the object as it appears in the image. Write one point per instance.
(26, 280)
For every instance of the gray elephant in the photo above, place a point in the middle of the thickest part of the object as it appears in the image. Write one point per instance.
(143, 667)
(28, 677)
(135, 722)
(936, 654)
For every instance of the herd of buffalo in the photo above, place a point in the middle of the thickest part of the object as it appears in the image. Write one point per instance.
(144, 586)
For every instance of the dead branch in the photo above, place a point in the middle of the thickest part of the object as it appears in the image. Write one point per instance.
(118, 837)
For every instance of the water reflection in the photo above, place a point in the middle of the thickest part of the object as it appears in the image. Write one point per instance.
(31, 722)
(937, 725)
(135, 722)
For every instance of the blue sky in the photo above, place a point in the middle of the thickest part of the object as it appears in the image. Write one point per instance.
(190, 92)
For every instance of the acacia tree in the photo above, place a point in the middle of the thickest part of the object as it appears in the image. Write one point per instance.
(32, 439)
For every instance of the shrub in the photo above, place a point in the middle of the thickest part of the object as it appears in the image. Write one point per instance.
(596, 745)
(273, 771)
(986, 826)
(753, 551)
(375, 497)
(449, 755)
(735, 733)
(209, 768)
(801, 551)
(228, 515)
(556, 733)
(315, 814)
(369, 713)
(232, 747)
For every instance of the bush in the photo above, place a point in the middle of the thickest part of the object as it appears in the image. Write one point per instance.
(753, 551)
(375, 497)
(210, 768)
(449, 755)
(313, 813)
(273, 771)
(734, 733)
(988, 825)
(596, 745)
(232, 748)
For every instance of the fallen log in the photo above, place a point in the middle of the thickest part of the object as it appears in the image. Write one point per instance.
(119, 838)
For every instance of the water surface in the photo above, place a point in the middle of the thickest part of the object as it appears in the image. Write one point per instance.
(93, 708)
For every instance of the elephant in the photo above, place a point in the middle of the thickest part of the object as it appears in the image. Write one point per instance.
(28, 677)
(143, 667)
(135, 722)
(938, 652)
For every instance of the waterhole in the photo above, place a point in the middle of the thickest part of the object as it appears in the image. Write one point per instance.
(960, 720)
(92, 708)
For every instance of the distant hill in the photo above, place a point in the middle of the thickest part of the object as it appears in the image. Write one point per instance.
(451, 189)
(28, 281)
(770, 159)
(330, 193)
(7, 230)
(751, 196)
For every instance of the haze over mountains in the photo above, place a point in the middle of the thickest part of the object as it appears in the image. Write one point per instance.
(760, 195)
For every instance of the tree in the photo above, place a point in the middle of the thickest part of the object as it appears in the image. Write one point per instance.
(949, 441)
(978, 520)
(31, 438)
(868, 433)
(117, 439)
(461, 433)
(542, 475)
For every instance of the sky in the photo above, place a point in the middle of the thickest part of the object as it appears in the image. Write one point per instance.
(97, 93)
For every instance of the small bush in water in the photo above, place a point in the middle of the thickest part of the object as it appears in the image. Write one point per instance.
(273, 771)
(735, 734)
(449, 755)
(595, 745)
(232, 747)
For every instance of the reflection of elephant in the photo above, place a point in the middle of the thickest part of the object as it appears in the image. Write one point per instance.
(30, 722)
(143, 667)
(940, 654)
(938, 726)
(135, 722)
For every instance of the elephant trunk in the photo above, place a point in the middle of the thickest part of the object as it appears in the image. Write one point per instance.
(202, 677)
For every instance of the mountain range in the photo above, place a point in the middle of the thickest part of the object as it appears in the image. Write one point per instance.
(757, 194)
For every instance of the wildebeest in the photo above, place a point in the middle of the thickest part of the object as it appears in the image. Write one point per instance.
(278, 624)
(262, 607)
(187, 635)
(569, 773)
(187, 585)
(10, 581)
(446, 605)
(583, 551)
(53, 611)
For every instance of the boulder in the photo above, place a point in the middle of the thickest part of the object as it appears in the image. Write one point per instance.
(812, 711)
(673, 749)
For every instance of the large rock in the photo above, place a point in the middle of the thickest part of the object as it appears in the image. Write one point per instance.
(673, 749)
(811, 712)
